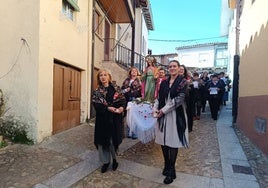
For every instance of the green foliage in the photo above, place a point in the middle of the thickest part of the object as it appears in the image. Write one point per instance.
(15, 130)
(2, 106)
(11, 127)
(3, 144)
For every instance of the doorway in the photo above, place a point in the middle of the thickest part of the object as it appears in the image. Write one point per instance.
(66, 97)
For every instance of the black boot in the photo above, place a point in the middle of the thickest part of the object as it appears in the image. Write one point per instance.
(172, 172)
(170, 177)
(104, 167)
(115, 164)
(165, 152)
(173, 158)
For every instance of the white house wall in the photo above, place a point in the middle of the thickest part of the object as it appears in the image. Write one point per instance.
(19, 66)
(64, 40)
(124, 33)
(228, 27)
(231, 48)
(145, 35)
(141, 33)
(138, 30)
(226, 17)
(191, 57)
(249, 23)
(254, 19)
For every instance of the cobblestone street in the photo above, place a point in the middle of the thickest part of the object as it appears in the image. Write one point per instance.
(69, 159)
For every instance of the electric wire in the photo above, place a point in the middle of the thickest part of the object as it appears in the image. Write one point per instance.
(185, 40)
(17, 57)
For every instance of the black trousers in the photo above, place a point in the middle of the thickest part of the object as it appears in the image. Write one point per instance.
(214, 105)
(190, 113)
(197, 108)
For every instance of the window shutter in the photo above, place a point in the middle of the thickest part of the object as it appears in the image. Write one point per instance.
(73, 3)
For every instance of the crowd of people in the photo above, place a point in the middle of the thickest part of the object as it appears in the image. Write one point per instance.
(178, 98)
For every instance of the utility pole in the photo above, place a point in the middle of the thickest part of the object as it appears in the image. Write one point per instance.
(236, 64)
(133, 36)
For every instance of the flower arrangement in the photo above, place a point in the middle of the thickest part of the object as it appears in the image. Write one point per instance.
(141, 101)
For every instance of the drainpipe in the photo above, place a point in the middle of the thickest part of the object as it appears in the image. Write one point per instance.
(235, 88)
(141, 40)
(87, 72)
(237, 27)
(133, 43)
(236, 66)
(133, 35)
(92, 58)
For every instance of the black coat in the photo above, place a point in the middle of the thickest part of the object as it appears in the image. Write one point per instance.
(218, 85)
(108, 125)
(135, 89)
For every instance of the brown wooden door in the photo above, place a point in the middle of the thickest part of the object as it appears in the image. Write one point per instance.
(66, 98)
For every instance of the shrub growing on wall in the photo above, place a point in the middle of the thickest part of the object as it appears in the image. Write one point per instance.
(12, 127)
(2, 106)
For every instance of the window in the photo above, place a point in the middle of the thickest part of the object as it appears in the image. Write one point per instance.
(97, 23)
(203, 58)
(69, 7)
(221, 58)
(221, 53)
(221, 63)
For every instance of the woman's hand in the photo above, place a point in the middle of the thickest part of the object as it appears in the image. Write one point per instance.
(160, 114)
(155, 113)
(118, 110)
(111, 109)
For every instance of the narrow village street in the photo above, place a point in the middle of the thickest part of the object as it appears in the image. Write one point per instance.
(71, 70)
(69, 159)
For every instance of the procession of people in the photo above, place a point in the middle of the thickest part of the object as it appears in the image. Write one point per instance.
(158, 104)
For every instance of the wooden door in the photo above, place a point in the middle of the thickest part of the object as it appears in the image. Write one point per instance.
(66, 98)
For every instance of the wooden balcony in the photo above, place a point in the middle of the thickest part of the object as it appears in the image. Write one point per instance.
(119, 11)
(232, 4)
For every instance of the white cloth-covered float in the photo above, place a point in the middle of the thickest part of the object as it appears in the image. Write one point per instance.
(140, 118)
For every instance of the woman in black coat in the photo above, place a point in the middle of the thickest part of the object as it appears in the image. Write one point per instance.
(109, 103)
(214, 88)
(189, 97)
(131, 88)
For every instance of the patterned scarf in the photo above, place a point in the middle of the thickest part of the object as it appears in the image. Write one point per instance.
(177, 89)
(100, 95)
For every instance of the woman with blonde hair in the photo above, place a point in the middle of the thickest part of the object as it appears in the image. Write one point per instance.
(109, 103)
(132, 85)
(132, 89)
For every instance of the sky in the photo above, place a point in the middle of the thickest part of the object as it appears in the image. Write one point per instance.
(176, 20)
